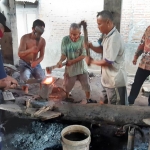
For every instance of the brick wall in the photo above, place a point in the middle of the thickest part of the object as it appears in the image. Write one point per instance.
(58, 15)
(135, 19)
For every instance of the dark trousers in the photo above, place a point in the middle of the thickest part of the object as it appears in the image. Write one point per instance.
(140, 77)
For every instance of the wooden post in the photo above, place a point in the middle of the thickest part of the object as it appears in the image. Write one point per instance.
(115, 7)
(13, 21)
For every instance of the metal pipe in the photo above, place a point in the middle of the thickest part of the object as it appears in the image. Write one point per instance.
(131, 136)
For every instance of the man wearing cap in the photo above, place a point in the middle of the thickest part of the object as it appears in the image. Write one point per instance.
(6, 81)
(31, 53)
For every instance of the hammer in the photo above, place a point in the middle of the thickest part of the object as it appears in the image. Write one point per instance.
(49, 69)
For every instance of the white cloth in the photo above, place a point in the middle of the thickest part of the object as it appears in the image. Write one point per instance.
(113, 52)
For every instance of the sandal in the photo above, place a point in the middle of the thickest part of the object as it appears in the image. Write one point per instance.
(91, 101)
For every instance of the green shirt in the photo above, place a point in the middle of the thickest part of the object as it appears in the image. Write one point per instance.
(72, 50)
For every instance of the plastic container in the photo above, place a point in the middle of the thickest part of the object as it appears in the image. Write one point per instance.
(68, 144)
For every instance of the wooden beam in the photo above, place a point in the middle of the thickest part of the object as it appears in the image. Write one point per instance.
(111, 114)
(13, 21)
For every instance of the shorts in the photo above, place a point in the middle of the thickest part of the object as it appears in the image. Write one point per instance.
(116, 96)
(69, 82)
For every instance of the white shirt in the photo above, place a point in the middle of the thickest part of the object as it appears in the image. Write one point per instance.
(113, 52)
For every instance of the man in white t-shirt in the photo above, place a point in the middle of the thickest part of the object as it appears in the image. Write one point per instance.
(113, 76)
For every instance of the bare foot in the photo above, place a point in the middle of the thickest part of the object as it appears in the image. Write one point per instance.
(101, 103)
(25, 89)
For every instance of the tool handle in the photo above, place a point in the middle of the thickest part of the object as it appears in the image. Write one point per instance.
(84, 24)
(49, 69)
(56, 66)
(64, 63)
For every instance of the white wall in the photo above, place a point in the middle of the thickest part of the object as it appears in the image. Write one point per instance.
(25, 18)
(58, 15)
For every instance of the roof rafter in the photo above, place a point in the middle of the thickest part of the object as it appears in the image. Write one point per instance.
(31, 1)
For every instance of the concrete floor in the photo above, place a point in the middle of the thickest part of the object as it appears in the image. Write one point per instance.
(27, 135)
(78, 94)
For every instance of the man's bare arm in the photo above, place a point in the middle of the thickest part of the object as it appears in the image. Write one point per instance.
(98, 49)
(78, 59)
(73, 61)
(62, 58)
(8, 82)
(22, 52)
(102, 62)
(42, 52)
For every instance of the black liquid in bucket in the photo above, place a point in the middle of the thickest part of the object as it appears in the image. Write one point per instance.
(76, 136)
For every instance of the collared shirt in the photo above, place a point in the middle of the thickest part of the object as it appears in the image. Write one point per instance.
(72, 50)
(113, 75)
(2, 70)
(144, 49)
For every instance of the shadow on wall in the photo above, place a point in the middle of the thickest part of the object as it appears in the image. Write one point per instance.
(137, 30)
(130, 49)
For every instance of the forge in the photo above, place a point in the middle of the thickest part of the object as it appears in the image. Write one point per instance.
(44, 103)
(46, 87)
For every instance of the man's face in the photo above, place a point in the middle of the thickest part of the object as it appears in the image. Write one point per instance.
(38, 31)
(74, 34)
(102, 25)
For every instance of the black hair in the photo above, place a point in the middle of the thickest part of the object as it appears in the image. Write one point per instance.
(107, 15)
(38, 22)
(75, 26)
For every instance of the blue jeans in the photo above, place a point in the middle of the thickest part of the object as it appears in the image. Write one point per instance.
(26, 71)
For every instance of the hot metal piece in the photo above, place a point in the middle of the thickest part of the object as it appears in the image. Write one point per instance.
(46, 87)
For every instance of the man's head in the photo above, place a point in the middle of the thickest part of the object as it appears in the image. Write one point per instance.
(3, 27)
(74, 32)
(38, 28)
(105, 21)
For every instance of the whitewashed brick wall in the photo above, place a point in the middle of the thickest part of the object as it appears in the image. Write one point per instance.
(135, 19)
(58, 15)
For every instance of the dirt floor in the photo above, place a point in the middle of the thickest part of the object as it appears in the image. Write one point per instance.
(25, 134)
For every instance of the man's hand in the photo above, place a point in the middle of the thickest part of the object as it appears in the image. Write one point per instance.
(33, 64)
(88, 60)
(8, 82)
(35, 49)
(88, 45)
(134, 61)
(14, 81)
(10, 85)
(59, 64)
(70, 62)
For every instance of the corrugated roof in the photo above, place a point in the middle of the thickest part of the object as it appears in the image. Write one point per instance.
(31, 1)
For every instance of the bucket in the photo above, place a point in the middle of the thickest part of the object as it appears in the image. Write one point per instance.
(75, 137)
